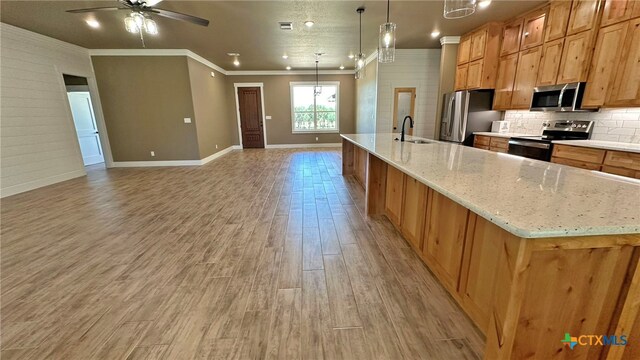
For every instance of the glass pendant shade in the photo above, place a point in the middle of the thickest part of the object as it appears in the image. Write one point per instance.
(130, 24)
(455, 9)
(387, 44)
(150, 26)
(360, 65)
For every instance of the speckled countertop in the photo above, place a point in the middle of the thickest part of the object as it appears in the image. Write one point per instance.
(528, 198)
(502, 135)
(600, 144)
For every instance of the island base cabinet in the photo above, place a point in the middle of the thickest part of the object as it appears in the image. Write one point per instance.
(414, 208)
(393, 195)
(444, 237)
(545, 288)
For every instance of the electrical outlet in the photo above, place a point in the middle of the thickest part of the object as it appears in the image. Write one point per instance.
(268, 117)
(316, 138)
(153, 153)
(216, 146)
(187, 120)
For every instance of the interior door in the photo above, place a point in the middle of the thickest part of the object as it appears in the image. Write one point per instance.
(86, 129)
(250, 107)
(404, 104)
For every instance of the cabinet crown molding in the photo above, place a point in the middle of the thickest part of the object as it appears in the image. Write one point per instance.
(446, 40)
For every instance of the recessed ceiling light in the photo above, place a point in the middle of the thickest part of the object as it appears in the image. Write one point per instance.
(308, 23)
(236, 62)
(93, 23)
(484, 3)
(351, 56)
(285, 56)
(435, 33)
(341, 67)
(288, 67)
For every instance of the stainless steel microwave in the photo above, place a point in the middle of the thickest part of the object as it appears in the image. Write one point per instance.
(565, 97)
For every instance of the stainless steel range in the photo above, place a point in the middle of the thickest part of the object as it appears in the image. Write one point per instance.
(541, 147)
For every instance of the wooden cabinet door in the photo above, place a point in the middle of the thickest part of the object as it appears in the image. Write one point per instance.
(578, 153)
(461, 77)
(414, 209)
(444, 238)
(511, 34)
(507, 67)
(626, 86)
(533, 29)
(615, 11)
(557, 20)
(575, 163)
(584, 14)
(623, 159)
(464, 49)
(526, 76)
(478, 45)
(474, 75)
(549, 62)
(576, 57)
(604, 64)
(394, 194)
(636, 9)
(484, 245)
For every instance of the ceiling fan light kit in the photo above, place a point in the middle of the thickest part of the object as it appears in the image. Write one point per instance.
(456, 9)
(387, 40)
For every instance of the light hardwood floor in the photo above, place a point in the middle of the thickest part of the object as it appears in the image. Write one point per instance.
(259, 254)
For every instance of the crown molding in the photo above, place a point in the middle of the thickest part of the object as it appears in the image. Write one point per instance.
(446, 40)
(371, 57)
(290, 72)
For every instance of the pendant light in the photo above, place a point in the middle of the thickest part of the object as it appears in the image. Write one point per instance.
(387, 40)
(317, 90)
(455, 9)
(360, 60)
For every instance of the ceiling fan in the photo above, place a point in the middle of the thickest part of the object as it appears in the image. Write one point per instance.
(145, 7)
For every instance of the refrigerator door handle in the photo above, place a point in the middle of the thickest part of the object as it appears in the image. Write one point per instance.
(451, 115)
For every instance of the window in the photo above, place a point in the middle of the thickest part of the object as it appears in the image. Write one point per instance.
(311, 113)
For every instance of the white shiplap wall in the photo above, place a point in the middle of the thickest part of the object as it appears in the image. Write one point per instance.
(411, 68)
(38, 144)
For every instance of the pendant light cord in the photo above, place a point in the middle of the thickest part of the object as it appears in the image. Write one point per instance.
(388, 6)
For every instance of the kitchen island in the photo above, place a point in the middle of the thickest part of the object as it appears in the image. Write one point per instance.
(530, 250)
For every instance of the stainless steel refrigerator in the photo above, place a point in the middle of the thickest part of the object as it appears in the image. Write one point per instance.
(466, 112)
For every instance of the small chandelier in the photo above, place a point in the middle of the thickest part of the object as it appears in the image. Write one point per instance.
(360, 60)
(456, 9)
(317, 90)
(387, 40)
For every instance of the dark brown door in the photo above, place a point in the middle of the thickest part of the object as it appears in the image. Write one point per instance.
(250, 106)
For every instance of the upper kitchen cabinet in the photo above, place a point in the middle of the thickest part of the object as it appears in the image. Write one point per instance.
(480, 49)
(626, 87)
(464, 49)
(584, 16)
(557, 19)
(576, 55)
(604, 64)
(550, 62)
(507, 67)
(526, 76)
(511, 34)
(533, 29)
(615, 11)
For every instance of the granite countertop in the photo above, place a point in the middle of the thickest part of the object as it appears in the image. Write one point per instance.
(600, 144)
(528, 198)
(502, 135)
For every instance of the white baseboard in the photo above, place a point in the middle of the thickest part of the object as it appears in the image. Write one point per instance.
(295, 146)
(162, 163)
(31, 185)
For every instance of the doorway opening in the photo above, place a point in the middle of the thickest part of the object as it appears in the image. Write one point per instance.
(84, 119)
(404, 104)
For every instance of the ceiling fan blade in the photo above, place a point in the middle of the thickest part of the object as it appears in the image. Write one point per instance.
(77, 11)
(184, 17)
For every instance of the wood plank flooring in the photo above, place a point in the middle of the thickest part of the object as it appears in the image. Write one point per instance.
(261, 254)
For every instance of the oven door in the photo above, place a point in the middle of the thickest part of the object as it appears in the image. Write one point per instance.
(530, 149)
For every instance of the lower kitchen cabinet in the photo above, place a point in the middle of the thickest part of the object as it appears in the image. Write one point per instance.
(394, 195)
(485, 243)
(594, 156)
(444, 236)
(360, 166)
(414, 208)
(575, 163)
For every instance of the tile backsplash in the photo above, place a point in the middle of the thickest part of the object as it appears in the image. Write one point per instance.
(622, 125)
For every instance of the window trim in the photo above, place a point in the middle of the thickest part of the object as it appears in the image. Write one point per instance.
(293, 84)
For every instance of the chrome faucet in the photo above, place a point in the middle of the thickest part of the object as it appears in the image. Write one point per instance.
(410, 124)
